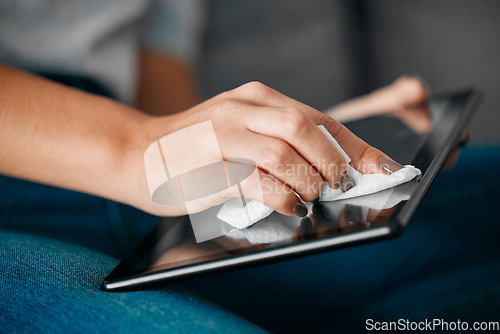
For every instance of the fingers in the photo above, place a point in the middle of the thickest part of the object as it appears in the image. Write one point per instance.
(407, 91)
(364, 157)
(279, 159)
(273, 193)
(293, 127)
(417, 118)
(272, 114)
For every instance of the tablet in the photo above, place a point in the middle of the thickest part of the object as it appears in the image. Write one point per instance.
(184, 247)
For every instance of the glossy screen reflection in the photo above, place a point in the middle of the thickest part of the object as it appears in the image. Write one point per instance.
(206, 238)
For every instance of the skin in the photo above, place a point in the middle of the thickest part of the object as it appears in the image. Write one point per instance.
(56, 135)
(405, 98)
(64, 137)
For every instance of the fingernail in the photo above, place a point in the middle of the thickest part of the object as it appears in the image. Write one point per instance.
(345, 183)
(300, 210)
(353, 214)
(388, 165)
(305, 228)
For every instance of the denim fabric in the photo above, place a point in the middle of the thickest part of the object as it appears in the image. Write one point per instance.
(90, 221)
(49, 286)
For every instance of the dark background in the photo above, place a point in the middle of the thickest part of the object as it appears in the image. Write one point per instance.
(323, 52)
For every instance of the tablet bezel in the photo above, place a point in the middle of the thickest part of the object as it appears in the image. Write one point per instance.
(431, 156)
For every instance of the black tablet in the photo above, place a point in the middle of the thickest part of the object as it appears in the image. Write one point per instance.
(180, 248)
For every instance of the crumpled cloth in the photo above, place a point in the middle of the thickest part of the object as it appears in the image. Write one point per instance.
(233, 213)
(279, 228)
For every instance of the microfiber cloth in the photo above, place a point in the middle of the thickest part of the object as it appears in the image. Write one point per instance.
(233, 213)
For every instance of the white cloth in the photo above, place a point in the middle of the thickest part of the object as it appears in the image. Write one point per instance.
(233, 213)
(279, 228)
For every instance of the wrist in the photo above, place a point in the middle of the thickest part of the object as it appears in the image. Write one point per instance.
(142, 132)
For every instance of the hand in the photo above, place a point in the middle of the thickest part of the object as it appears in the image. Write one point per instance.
(405, 98)
(64, 137)
(279, 134)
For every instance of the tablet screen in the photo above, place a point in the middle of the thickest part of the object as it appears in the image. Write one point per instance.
(412, 136)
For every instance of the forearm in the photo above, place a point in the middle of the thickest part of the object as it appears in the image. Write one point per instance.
(64, 137)
(56, 135)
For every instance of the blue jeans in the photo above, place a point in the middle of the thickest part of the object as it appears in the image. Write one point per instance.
(58, 245)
